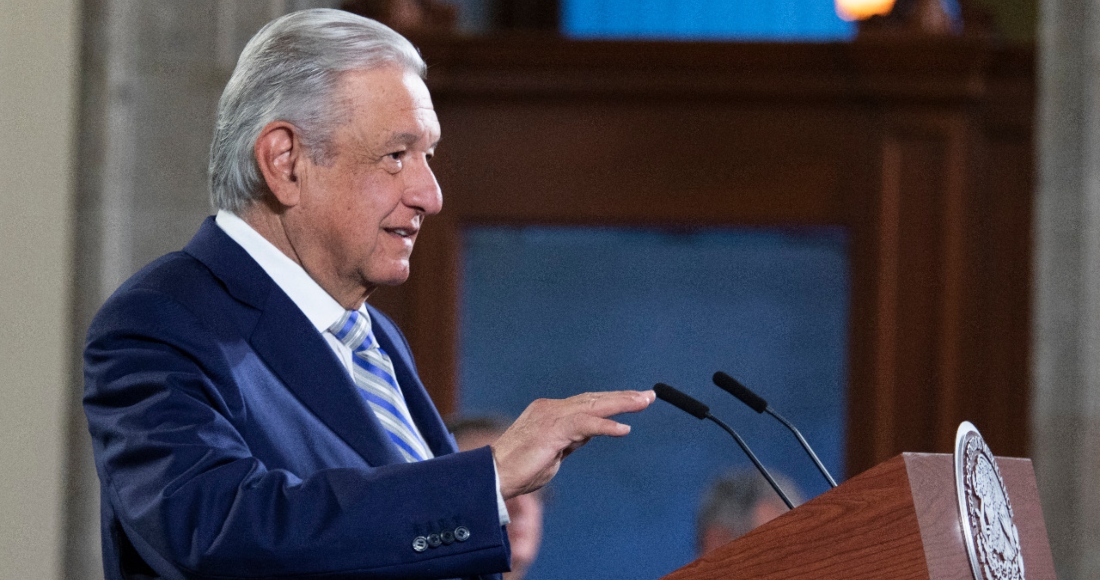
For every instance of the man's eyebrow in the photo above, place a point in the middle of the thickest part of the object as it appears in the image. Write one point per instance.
(402, 139)
(406, 139)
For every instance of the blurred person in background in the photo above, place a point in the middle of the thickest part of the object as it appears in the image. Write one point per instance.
(738, 502)
(525, 531)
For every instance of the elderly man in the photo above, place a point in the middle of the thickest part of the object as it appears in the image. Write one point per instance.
(252, 416)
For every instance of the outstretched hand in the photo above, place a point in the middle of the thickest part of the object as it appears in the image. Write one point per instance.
(531, 450)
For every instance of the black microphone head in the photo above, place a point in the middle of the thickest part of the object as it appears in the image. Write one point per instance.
(735, 388)
(681, 401)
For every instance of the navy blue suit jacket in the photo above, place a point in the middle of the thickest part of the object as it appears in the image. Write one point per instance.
(231, 443)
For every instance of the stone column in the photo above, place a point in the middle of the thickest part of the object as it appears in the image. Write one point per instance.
(39, 52)
(1066, 363)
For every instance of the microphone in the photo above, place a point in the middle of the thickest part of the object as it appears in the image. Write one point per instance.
(698, 410)
(735, 388)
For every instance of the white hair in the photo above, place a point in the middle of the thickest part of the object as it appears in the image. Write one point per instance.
(290, 71)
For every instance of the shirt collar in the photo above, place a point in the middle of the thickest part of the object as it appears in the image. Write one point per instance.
(321, 309)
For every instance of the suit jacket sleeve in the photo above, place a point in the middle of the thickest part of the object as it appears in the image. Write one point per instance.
(192, 455)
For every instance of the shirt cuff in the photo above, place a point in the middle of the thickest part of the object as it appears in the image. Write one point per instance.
(502, 510)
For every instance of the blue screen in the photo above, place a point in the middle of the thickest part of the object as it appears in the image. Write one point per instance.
(758, 20)
(556, 311)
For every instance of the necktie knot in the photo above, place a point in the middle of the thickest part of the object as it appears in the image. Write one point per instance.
(354, 330)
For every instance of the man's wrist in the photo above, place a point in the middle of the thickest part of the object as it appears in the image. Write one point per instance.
(502, 509)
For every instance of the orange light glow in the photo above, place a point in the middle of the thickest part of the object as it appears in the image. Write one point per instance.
(862, 9)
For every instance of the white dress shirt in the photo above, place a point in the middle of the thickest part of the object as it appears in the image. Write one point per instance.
(320, 308)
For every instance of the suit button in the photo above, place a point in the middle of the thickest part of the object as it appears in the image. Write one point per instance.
(420, 544)
(447, 536)
(462, 534)
(434, 540)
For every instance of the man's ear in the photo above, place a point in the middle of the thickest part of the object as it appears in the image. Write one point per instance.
(279, 155)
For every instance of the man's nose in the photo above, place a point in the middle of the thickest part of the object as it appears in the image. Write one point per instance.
(422, 190)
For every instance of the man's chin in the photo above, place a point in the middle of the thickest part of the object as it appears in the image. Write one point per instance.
(393, 277)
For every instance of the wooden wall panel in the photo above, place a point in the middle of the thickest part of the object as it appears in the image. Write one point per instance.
(598, 161)
(918, 276)
(998, 317)
(919, 147)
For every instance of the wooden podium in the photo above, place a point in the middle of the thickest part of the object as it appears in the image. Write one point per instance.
(898, 520)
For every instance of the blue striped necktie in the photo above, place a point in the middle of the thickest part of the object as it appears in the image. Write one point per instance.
(372, 372)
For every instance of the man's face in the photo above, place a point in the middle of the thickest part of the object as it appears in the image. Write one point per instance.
(359, 214)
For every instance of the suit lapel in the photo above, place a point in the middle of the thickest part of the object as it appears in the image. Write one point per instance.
(307, 366)
(293, 349)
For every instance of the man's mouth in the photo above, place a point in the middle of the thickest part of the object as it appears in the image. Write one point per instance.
(403, 232)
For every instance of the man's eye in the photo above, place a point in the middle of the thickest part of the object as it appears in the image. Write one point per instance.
(397, 161)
